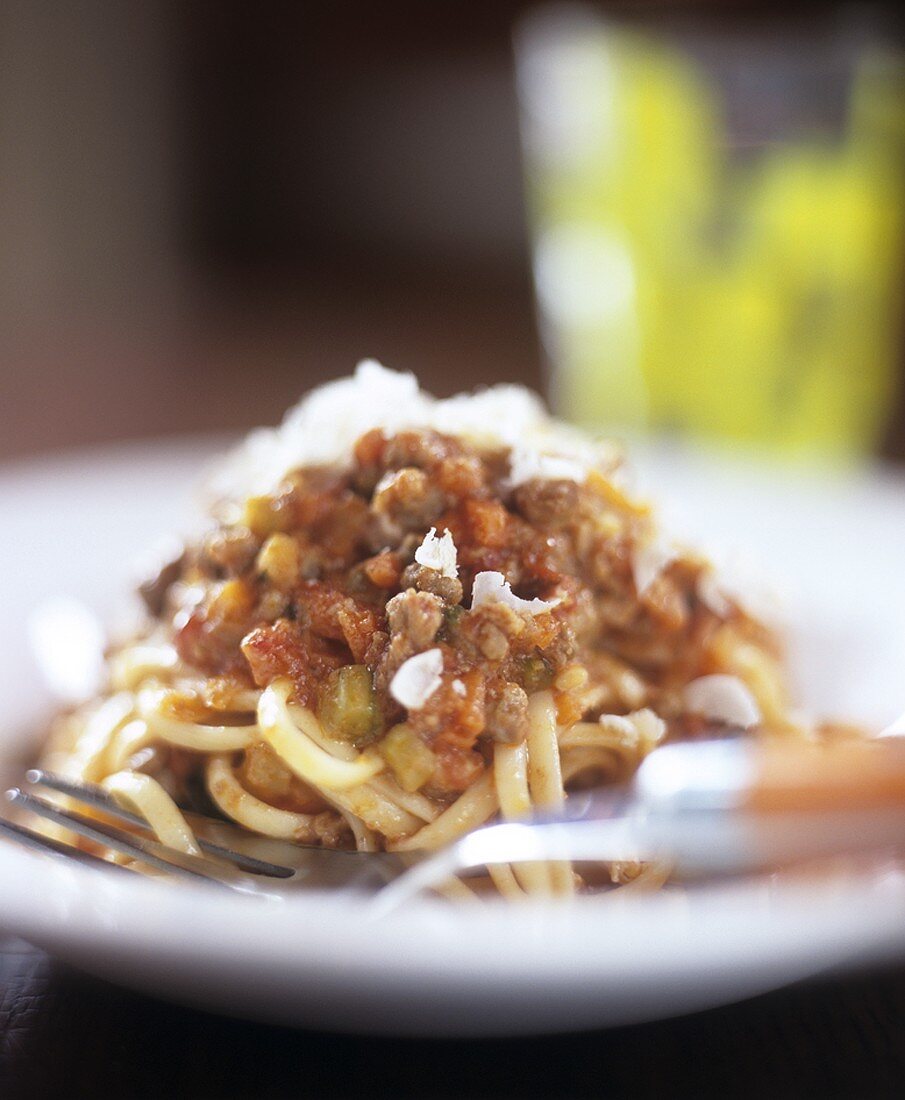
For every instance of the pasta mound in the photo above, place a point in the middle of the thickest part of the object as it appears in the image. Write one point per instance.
(431, 625)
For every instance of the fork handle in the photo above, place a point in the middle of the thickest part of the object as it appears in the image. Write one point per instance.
(773, 776)
(845, 775)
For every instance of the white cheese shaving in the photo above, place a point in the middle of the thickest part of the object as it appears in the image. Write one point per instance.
(459, 688)
(733, 581)
(417, 679)
(325, 425)
(438, 553)
(897, 729)
(642, 729)
(490, 587)
(649, 560)
(526, 464)
(722, 698)
(713, 593)
(385, 482)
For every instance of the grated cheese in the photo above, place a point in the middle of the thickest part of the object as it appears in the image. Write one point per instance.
(722, 698)
(648, 562)
(325, 425)
(526, 464)
(714, 593)
(438, 553)
(735, 581)
(491, 587)
(642, 729)
(417, 679)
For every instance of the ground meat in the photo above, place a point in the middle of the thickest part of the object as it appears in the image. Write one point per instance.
(507, 715)
(610, 568)
(563, 647)
(230, 551)
(154, 590)
(615, 612)
(358, 625)
(456, 770)
(665, 601)
(547, 503)
(425, 579)
(208, 635)
(408, 499)
(369, 466)
(383, 570)
(461, 476)
(376, 647)
(489, 522)
(491, 640)
(489, 631)
(424, 449)
(414, 620)
(332, 830)
(381, 533)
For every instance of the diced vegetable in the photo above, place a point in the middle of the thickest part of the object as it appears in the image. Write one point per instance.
(279, 560)
(537, 674)
(571, 678)
(233, 602)
(348, 707)
(266, 515)
(452, 616)
(410, 760)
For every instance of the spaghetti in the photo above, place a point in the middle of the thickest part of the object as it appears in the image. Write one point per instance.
(410, 617)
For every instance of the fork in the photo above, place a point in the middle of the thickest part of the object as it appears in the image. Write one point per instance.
(230, 856)
(705, 808)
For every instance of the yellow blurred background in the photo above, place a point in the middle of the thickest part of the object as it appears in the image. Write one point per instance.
(719, 219)
(207, 207)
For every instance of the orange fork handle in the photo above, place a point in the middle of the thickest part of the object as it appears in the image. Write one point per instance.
(845, 775)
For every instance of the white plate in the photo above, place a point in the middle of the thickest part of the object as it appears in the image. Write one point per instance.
(73, 525)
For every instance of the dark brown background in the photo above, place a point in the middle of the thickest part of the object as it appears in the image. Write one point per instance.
(206, 207)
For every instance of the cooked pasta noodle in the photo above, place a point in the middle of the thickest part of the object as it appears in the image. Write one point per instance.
(189, 735)
(471, 809)
(292, 742)
(127, 741)
(503, 878)
(510, 773)
(102, 726)
(545, 774)
(147, 798)
(133, 666)
(259, 817)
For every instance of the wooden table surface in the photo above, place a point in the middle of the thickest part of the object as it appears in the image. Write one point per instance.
(63, 1034)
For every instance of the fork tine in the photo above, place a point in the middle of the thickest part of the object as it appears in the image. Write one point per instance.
(40, 843)
(84, 792)
(147, 851)
(96, 797)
